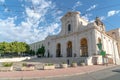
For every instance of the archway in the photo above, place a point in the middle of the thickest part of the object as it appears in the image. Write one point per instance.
(99, 40)
(84, 47)
(48, 54)
(58, 50)
(69, 49)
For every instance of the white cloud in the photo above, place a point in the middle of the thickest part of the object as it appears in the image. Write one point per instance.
(55, 15)
(86, 16)
(102, 18)
(59, 12)
(30, 13)
(2, 1)
(77, 4)
(113, 12)
(36, 2)
(91, 7)
(30, 29)
(52, 27)
(7, 29)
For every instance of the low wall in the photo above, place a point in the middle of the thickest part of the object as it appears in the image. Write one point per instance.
(57, 60)
(18, 59)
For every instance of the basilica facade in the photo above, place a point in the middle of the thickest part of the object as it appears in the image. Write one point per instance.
(79, 38)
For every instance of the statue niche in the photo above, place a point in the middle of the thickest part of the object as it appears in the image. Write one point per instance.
(99, 23)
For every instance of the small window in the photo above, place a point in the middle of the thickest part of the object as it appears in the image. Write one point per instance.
(99, 40)
(81, 23)
(48, 43)
(69, 27)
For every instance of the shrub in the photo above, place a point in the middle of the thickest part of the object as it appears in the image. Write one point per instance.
(7, 64)
(24, 64)
(63, 62)
(49, 64)
(30, 65)
(82, 61)
(73, 62)
(27, 65)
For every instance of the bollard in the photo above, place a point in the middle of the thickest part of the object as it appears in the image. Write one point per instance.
(68, 62)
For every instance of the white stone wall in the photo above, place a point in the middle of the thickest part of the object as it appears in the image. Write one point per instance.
(109, 45)
(116, 35)
(15, 59)
(36, 46)
(80, 29)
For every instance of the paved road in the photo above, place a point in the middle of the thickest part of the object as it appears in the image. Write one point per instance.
(108, 74)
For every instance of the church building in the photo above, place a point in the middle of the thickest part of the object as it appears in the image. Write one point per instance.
(79, 38)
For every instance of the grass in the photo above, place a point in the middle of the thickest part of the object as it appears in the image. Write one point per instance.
(49, 64)
(7, 64)
(27, 65)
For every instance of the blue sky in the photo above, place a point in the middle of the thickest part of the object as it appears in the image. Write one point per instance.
(33, 20)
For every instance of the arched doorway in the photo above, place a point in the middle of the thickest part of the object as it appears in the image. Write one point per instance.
(69, 49)
(99, 40)
(58, 50)
(99, 45)
(84, 47)
(48, 54)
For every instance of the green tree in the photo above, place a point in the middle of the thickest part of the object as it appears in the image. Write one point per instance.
(1, 49)
(14, 48)
(22, 47)
(41, 51)
(32, 52)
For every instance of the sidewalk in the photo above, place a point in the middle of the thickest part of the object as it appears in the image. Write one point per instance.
(51, 73)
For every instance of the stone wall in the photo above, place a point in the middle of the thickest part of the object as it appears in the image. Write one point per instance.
(14, 59)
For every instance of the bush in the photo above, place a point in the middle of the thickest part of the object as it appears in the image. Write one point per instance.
(73, 62)
(7, 64)
(64, 63)
(24, 64)
(49, 64)
(27, 65)
(30, 65)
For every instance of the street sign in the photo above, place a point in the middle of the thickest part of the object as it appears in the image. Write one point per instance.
(99, 46)
(103, 53)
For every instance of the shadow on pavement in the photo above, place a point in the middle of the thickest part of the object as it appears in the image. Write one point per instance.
(116, 70)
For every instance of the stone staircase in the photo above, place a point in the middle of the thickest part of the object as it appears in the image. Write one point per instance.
(57, 60)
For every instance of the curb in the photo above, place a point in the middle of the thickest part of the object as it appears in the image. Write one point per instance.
(66, 75)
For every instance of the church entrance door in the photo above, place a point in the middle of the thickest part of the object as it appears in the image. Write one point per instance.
(69, 49)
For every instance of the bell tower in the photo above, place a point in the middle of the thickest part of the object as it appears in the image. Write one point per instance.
(70, 22)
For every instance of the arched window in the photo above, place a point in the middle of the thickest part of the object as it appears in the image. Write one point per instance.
(58, 50)
(69, 49)
(48, 53)
(48, 43)
(84, 47)
(69, 27)
(99, 40)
